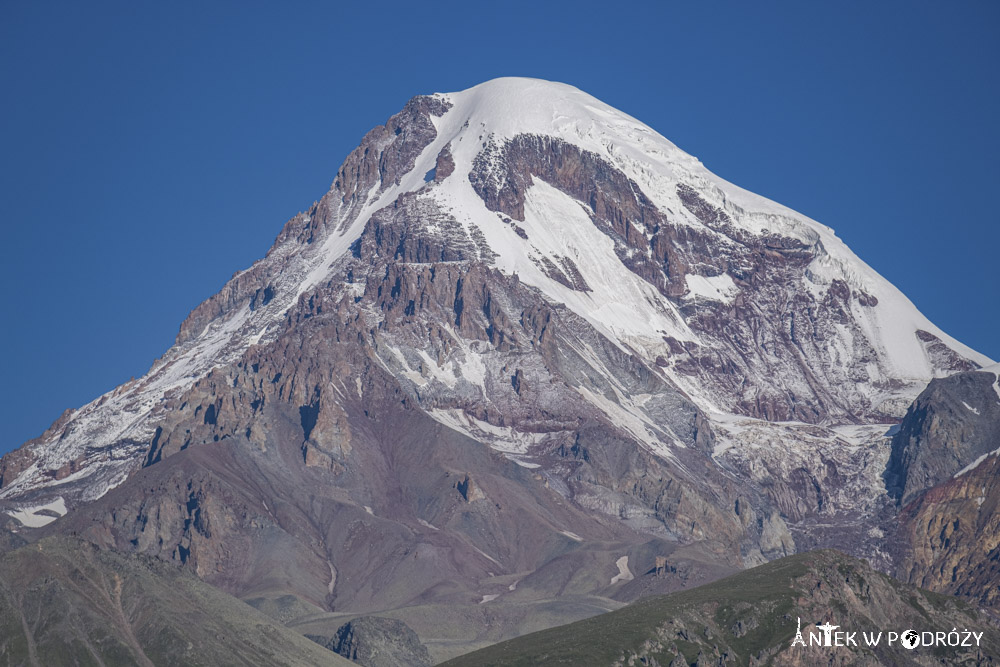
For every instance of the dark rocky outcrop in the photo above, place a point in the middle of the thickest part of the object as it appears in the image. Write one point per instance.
(372, 641)
(445, 165)
(951, 424)
(945, 473)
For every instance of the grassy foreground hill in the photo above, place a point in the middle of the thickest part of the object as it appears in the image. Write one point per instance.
(65, 602)
(751, 619)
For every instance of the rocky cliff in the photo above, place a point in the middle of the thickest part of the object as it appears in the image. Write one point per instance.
(945, 474)
(954, 422)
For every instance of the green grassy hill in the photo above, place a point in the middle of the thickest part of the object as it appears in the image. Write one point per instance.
(750, 619)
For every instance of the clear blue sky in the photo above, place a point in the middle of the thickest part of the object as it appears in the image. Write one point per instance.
(148, 153)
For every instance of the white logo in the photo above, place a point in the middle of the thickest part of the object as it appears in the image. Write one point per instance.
(799, 641)
(827, 631)
(827, 635)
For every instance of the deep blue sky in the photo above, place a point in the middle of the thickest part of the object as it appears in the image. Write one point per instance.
(147, 154)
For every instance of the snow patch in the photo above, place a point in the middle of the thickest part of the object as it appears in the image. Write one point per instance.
(503, 439)
(716, 288)
(486, 555)
(624, 574)
(975, 464)
(995, 369)
(31, 517)
(558, 226)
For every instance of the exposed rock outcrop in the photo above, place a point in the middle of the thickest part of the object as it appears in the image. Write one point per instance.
(952, 423)
(372, 641)
(944, 470)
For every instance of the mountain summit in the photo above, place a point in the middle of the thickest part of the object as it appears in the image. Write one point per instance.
(596, 211)
(525, 354)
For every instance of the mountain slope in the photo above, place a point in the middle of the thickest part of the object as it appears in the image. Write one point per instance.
(751, 618)
(64, 602)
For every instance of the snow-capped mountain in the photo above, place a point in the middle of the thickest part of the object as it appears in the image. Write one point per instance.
(522, 335)
(751, 308)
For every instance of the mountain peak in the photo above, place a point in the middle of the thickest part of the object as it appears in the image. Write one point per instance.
(523, 348)
(746, 307)
(510, 106)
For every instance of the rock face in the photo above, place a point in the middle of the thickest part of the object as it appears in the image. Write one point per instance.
(514, 345)
(329, 444)
(752, 618)
(946, 476)
(379, 642)
(743, 279)
(953, 422)
(950, 536)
